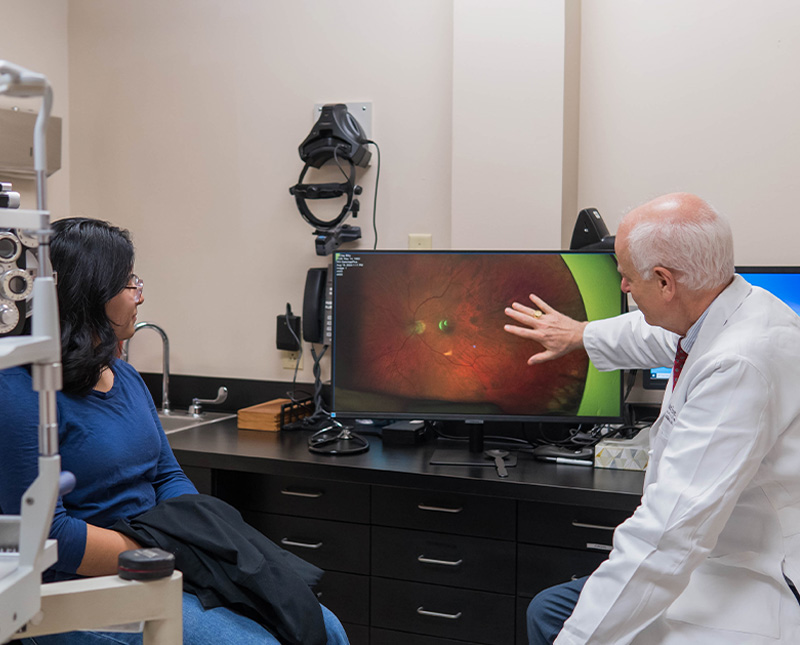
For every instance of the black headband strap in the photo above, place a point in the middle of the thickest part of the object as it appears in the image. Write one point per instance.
(302, 192)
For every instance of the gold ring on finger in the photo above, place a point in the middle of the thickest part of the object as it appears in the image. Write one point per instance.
(537, 313)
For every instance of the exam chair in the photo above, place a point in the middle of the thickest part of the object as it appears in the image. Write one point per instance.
(28, 607)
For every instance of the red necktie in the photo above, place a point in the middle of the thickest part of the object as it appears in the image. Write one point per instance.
(680, 359)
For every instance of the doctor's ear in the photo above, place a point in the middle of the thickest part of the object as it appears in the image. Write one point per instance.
(666, 280)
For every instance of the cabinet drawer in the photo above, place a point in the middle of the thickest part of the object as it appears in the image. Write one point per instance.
(439, 558)
(575, 527)
(357, 634)
(385, 637)
(343, 501)
(539, 567)
(201, 478)
(460, 614)
(444, 512)
(346, 595)
(334, 546)
(522, 622)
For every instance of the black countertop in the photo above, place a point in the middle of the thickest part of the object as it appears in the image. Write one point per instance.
(222, 445)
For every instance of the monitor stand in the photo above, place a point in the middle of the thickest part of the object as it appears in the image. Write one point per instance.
(456, 454)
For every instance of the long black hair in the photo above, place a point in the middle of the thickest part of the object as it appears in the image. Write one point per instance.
(93, 260)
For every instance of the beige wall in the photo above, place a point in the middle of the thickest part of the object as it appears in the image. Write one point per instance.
(508, 124)
(35, 37)
(185, 117)
(695, 96)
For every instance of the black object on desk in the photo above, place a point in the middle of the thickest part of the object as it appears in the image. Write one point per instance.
(337, 439)
(448, 455)
(563, 455)
(404, 433)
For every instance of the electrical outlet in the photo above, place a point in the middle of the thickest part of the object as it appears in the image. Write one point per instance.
(420, 241)
(289, 360)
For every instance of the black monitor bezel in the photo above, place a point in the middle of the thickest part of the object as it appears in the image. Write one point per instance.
(650, 382)
(572, 419)
(783, 268)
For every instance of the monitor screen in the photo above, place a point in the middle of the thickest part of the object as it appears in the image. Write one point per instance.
(419, 335)
(782, 282)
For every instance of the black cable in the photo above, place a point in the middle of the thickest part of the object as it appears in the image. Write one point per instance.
(375, 200)
(319, 413)
(341, 170)
(289, 313)
(629, 384)
(492, 438)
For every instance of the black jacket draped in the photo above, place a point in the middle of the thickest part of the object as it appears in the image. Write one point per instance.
(226, 562)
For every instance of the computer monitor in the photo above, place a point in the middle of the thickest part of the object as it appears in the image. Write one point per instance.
(781, 281)
(419, 335)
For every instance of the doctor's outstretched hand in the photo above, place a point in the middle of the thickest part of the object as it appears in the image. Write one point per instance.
(556, 333)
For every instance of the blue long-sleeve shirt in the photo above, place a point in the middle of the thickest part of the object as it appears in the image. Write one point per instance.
(111, 441)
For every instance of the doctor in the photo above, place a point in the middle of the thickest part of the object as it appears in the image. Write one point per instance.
(710, 554)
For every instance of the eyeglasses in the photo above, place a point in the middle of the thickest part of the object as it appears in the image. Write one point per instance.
(136, 283)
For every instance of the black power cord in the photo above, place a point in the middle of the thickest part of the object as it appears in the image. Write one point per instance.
(375, 197)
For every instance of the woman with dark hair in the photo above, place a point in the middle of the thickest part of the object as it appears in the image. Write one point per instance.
(109, 433)
(94, 262)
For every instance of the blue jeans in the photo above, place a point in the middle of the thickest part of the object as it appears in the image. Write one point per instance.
(200, 627)
(549, 610)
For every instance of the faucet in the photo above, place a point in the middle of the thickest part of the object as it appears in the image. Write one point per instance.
(165, 407)
(196, 408)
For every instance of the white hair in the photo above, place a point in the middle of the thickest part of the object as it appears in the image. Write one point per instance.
(698, 249)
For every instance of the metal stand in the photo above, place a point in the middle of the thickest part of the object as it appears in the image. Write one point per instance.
(112, 604)
(27, 607)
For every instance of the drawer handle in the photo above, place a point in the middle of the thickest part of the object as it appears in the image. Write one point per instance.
(594, 546)
(301, 545)
(299, 493)
(581, 525)
(444, 563)
(439, 509)
(436, 614)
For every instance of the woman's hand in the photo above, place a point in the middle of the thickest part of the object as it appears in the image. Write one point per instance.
(557, 333)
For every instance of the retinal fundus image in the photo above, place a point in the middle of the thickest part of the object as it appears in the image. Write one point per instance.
(424, 333)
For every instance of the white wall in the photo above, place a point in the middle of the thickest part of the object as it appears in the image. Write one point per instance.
(699, 97)
(185, 117)
(508, 124)
(35, 37)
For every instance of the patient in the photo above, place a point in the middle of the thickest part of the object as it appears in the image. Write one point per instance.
(109, 434)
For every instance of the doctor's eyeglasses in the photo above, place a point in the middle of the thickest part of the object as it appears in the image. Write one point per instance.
(137, 283)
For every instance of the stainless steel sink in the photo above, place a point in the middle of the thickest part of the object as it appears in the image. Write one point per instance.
(177, 420)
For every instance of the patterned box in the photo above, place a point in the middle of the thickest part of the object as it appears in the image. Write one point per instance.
(623, 454)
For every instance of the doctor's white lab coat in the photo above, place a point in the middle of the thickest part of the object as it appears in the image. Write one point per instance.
(702, 560)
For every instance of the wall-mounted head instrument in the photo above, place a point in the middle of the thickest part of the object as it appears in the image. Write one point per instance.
(338, 137)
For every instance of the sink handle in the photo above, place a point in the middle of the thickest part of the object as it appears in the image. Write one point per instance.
(196, 408)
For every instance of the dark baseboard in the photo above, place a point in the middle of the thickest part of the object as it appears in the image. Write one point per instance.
(246, 392)
(241, 392)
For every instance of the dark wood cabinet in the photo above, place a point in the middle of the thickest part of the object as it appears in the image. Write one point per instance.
(445, 612)
(437, 558)
(325, 523)
(432, 510)
(454, 566)
(575, 527)
(413, 553)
